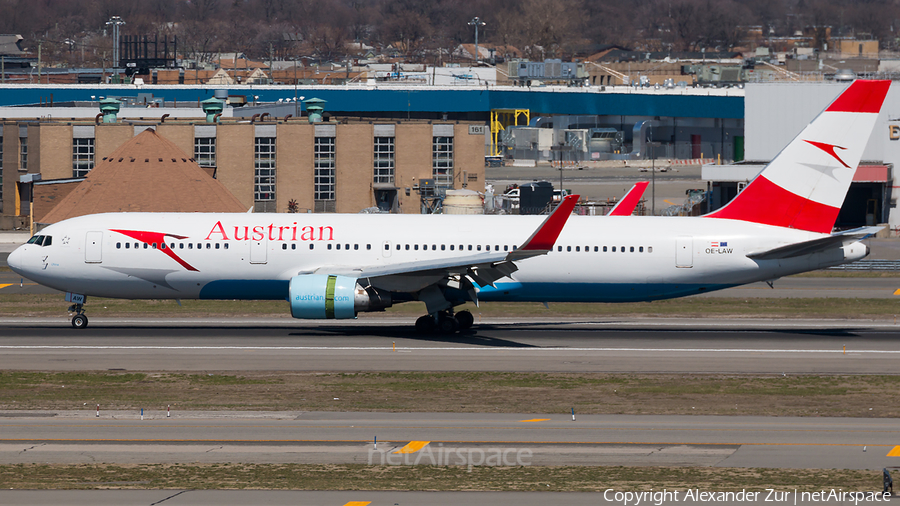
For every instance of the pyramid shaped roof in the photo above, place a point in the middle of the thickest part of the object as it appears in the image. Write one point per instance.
(146, 174)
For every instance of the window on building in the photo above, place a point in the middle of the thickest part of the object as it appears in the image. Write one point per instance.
(442, 161)
(205, 151)
(82, 157)
(324, 150)
(384, 160)
(23, 153)
(264, 174)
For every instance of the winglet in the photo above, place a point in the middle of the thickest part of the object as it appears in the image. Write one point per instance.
(626, 205)
(545, 236)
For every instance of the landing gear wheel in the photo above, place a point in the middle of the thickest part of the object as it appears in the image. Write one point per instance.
(425, 324)
(79, 321)
(465, 320)
(447, 324)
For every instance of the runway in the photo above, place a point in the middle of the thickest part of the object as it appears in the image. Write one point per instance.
(450, 438)
(386, 344)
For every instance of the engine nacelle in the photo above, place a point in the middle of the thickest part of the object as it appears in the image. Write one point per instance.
(322, 296)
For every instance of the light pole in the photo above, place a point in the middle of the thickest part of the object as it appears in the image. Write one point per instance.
(115, 22)
(476, 22)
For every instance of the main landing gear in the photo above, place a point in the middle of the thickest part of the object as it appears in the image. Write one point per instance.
(79, 320)
(445, 322)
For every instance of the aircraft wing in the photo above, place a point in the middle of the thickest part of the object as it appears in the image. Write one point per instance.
(626, 206)
(815, 245)
(467, 272)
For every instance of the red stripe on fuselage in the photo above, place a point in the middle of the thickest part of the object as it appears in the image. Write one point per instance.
(158, 238)
(763, 201)
(861, 96)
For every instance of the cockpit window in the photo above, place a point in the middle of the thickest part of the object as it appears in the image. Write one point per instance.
(41, 240)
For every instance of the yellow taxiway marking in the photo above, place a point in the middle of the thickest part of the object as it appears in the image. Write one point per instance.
(895, 452)
(536, 420)
(670, 203)
(358, 503)
(2, 286)
(413, 447)
(897, 291)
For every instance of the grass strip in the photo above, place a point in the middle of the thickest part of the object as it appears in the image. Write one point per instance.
(26, 305)
(467, 392)
(426, 477)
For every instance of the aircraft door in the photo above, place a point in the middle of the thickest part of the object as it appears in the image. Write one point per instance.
(93, 248)
(258, 251)
(684, 251)
(386, 249)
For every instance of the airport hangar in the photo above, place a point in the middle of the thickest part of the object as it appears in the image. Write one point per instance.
(49, 133)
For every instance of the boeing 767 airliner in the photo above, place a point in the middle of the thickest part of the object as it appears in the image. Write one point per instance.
(337, 265)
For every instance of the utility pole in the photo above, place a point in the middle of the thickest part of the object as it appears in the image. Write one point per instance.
(476, 22)
(40, 44)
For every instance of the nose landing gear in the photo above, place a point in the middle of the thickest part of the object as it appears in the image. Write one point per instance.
(79, 320)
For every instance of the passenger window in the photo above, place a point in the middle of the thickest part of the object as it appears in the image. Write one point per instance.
(505, 247)
(217, 245)
(496, 247)
(416, 247)
(632, 249)
(181, 245)
(604, 249)
(312, 246)
(368, 246)
(162, 245)
(190, 245)
(515, 247)
(118, 245)
(568, 248)
(398, 247)
(172, 245)
(577, 248)
(153, 245)
(641, 249)
(226, 245)
(443, 247)
(146, 245)
(199, 245)
(355, 247)
(614, 249)
(208, 245)
(338, 246)
(407, 247)
(596, 249)
(451, 247)
(284, 246)
(623, 249)
(559, 248)
(127, 245)
(329, 246)
(479, 247)
(587, 248)
(470, 247)
(434, 247)
(346, 246)
(293, 246)
(649, 249)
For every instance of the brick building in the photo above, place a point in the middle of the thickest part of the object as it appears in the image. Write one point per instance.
(337, 166)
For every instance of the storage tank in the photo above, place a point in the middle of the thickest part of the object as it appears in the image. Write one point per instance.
(463, 202)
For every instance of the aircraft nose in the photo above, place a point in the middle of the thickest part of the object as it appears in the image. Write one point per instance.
(15, 260)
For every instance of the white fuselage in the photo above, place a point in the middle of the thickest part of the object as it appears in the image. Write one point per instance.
(254, 256)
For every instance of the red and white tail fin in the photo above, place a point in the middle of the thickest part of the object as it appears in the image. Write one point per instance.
(805, 185)
(626, 206)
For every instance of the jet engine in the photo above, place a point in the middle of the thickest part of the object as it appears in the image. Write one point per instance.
(321, 296)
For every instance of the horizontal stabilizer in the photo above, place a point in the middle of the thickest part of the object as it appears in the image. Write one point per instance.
(815, 245)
